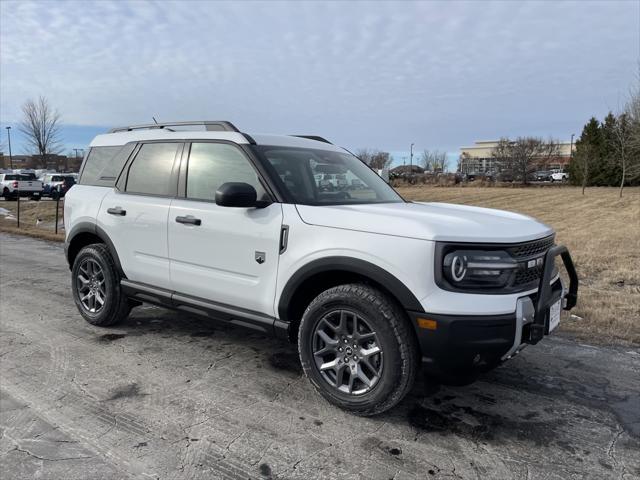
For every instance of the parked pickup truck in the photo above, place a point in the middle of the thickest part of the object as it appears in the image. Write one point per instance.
(14, 185)
(559, 177)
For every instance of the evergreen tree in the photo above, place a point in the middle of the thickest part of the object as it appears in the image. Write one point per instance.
(587, 159)
(608, 170)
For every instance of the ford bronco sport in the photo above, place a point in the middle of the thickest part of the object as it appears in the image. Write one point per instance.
(202, 218)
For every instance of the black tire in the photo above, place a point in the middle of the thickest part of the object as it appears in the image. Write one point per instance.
(397, 342)
(55, 194)
(116, 306)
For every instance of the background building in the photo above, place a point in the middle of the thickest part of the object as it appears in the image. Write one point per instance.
(59, 163)
(479, 159)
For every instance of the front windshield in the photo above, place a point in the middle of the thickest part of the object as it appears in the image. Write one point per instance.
(324, 177)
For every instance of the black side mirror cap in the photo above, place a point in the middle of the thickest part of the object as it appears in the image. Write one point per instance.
(236, 194)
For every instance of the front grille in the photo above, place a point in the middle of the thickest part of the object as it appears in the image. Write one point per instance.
(530, 249)
(524, 252)
(528, 276)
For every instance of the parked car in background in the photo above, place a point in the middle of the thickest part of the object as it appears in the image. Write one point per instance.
(559, 177)
(14, 185)
(472, 177)
(56, 185)
(542, 176)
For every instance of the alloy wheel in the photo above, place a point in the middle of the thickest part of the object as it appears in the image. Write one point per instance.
(347, 352)
(90, 283)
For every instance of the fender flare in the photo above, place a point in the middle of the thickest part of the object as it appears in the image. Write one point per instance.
(88, 227)
(353, 265)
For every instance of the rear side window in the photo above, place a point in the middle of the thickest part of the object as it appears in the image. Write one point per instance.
(11, 177)
(103, 165)
(150, 172)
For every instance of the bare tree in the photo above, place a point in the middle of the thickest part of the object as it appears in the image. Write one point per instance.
(376, 159)
(41, 127)
(434, 160)
(364, 154)
(583, 159)
(426, 159)
(503, 153)
(524, 155)
(626, 136)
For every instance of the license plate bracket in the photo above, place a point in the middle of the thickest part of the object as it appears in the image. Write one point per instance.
(554, 315)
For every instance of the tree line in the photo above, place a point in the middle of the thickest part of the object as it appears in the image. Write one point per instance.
(427, 160)
(608, 152)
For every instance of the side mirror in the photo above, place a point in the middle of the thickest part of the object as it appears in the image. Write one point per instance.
(236, 194)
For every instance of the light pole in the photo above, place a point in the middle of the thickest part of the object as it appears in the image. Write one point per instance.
(411, 160)
(10, 157)
(571, 146)
(78, 150)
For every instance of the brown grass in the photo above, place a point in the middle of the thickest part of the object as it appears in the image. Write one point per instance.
(602, 232)
(30, 212)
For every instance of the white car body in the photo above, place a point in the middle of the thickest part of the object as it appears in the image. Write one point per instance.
(559, 177)
(251, 264)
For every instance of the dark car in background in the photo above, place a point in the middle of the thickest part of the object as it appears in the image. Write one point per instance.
(56, 185)
(542, 176)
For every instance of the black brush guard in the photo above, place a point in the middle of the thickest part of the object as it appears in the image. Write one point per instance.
(539, 325)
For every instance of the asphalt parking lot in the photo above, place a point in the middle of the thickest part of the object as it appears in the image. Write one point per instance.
(170, 396)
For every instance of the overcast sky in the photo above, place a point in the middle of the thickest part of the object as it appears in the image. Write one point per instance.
(439, 74)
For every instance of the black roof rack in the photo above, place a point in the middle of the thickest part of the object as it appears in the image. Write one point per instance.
(314, 137)
(211, 126)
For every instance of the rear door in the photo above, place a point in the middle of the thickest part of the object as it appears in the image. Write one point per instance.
(134, 214)
(228, 256)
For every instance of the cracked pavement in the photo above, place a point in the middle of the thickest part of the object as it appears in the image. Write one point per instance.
(169, 396)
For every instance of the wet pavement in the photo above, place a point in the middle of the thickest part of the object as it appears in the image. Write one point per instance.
(170, 396)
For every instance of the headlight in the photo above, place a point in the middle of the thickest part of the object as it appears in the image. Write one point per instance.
(477, 269)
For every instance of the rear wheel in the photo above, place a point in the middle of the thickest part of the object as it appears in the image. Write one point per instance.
(357, 349)
(55, 194)
(95, 282)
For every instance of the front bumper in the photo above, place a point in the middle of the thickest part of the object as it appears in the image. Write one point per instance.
(459, 343)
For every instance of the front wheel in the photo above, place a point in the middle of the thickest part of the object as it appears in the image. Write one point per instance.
(357, 349)
(95, 283)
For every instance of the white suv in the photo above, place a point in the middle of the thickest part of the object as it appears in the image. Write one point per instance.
(207, 220)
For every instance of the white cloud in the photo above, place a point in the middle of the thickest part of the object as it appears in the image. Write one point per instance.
(363, 73)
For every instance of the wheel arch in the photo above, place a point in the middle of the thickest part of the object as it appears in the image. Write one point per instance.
(311, 279)
(86, 233)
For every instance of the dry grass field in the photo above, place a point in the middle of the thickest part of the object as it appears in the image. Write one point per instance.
(601, 230)
(37, 219)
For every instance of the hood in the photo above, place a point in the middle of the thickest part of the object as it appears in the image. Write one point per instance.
(429, 221)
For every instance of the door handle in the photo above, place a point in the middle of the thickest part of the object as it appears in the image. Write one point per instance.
(189, 220)
(116, 211)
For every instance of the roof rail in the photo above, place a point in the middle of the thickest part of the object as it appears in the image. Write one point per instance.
(211, 126)
(314, 137)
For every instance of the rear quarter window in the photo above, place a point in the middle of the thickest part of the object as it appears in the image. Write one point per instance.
(103, 165)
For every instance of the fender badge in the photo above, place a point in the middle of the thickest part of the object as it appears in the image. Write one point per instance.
(260, 257)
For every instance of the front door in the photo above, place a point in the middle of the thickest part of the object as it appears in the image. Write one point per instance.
(225, 255)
